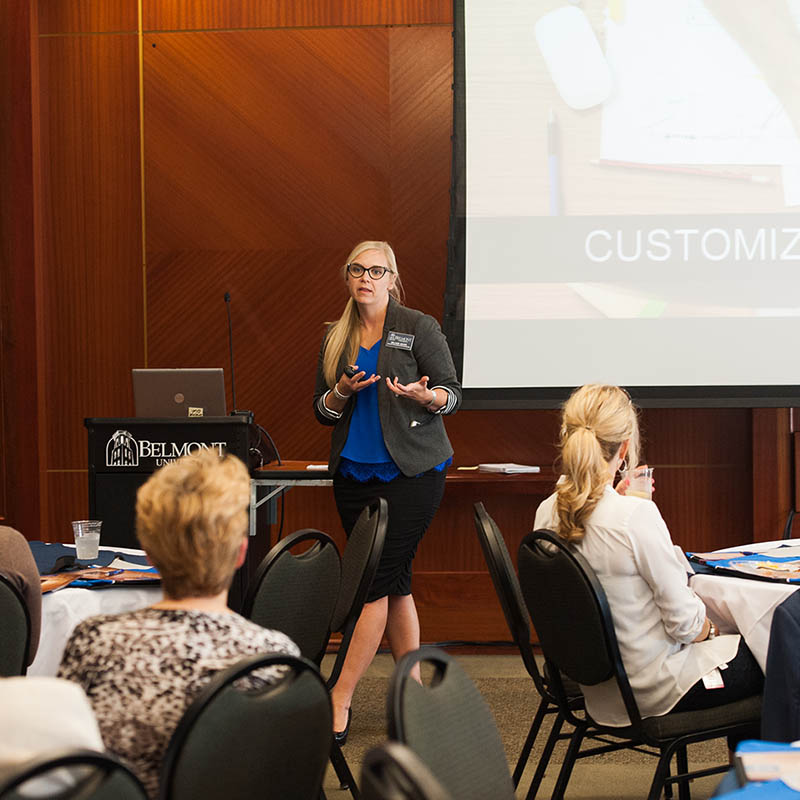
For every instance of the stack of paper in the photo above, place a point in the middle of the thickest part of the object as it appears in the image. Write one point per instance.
(508, 469)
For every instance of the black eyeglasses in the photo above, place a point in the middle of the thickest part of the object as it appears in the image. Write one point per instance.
(376, 273)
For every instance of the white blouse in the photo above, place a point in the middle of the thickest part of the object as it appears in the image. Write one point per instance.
(656, 614)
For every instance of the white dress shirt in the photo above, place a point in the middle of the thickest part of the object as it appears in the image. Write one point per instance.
(656, 614)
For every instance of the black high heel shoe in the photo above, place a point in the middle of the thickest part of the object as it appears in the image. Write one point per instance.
(340, 737)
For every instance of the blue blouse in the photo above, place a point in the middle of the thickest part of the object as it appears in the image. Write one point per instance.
(364, 456)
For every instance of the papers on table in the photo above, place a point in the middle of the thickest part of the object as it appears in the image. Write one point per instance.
(779, 564)
(508, 468)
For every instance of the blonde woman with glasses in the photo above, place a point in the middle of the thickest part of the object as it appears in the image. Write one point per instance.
(668, 644)
(385, 379)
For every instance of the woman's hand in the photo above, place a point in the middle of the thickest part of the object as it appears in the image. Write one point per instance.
(625, 482)
(347, 385)
(417, 391)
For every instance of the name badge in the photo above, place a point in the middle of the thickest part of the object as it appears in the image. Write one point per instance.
(402, 341)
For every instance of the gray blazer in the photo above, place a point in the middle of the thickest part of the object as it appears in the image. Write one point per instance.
(415, 438)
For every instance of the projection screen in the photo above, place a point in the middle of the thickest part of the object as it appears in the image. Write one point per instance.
(626, 185)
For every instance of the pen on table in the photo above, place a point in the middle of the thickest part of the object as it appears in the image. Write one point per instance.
(728, 174)
(552, 164)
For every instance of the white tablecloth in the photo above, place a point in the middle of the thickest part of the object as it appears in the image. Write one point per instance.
(740, 605)
(62, 610)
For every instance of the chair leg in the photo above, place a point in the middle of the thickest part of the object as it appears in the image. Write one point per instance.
(530, 739)
(662, 772)
(343, 773)
(544, 759)
(682, 762)
(569, 762)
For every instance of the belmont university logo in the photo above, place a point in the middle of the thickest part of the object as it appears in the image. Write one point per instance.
(122, 450)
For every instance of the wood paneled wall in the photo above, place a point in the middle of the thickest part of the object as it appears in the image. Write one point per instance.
(165, 153)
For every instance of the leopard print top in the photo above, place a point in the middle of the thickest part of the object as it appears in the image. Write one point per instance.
(142, 669)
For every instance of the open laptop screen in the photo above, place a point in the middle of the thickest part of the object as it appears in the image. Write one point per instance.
(179, 392)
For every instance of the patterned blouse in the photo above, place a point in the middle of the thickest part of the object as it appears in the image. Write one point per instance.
(142, 669)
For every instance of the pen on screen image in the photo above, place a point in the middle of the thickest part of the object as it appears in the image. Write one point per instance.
(728, 174)
(552, 164)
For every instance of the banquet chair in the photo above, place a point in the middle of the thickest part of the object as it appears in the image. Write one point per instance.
(15, 630)
(449, 726)
(311, 595)
(506, 584)
(297, 594)
(92, 776)
(240, 742)
(393, 771)
(570, 612)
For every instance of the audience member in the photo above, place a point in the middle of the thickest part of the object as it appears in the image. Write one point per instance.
(43, 716)
(142, 669)
(17, 564)
(667, 642)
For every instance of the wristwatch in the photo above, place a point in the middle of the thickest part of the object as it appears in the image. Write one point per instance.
(712, 630)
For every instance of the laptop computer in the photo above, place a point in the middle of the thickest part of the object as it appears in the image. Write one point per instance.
(179, 392)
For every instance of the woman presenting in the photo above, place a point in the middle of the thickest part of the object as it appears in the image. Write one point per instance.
(385, 379)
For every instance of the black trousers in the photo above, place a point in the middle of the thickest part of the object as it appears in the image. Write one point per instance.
(412, 504)
(743, 678)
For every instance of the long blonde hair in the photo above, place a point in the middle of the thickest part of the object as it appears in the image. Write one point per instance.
(344, 335)
(595, 422)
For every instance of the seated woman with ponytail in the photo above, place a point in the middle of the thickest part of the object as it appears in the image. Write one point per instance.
(668, 645)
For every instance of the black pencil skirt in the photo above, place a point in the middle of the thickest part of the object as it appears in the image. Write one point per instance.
(412, 503)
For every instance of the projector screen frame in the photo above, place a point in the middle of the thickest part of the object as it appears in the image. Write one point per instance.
(547, 397)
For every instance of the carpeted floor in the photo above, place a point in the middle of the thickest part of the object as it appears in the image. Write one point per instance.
(512, 697)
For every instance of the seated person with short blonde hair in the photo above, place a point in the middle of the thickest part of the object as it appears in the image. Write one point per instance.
(142, 669)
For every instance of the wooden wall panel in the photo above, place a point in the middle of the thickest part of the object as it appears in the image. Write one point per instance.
(91, 308)
(19, 419)
(67, 16)
(266, 140)
(421, 102)
(68, 493)
(227, 14)
(771, 488)
(702, 459)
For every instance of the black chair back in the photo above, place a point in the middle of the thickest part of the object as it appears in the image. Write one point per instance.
(243, 742)
(393, 771)
(359, 565)
(15, 630)
(507, 588)
(449, 726)
(558, 584)
(297, 594)
(93, 776)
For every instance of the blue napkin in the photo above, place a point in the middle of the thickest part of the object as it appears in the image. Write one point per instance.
(47, 555)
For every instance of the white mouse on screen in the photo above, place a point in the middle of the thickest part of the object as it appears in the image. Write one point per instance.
(574, 58)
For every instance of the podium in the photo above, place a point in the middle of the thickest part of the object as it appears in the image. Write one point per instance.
(124, 452)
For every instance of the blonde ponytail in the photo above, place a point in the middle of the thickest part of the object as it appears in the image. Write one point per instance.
(344, 335)
(596, 421)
